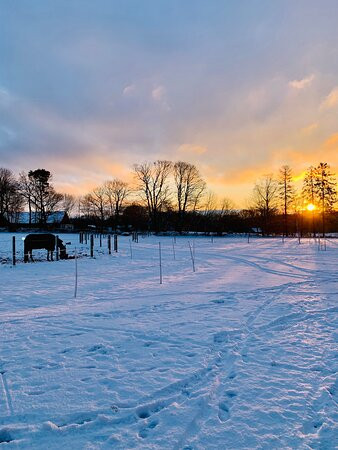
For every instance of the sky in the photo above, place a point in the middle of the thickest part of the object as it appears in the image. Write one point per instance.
(239, 88)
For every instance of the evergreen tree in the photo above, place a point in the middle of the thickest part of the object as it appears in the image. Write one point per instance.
(286, 193)
(325, 190)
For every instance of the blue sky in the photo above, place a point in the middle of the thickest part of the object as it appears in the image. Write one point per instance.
(87, 88)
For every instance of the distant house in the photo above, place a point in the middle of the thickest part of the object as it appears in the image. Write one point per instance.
(58, 219)
(256, 230)
(3, 222)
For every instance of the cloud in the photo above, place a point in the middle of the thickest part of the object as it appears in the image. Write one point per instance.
(301, 84)
(159, 95)
(332, 142)
(129, 90)
(331, 100)
(192, 149)
(309, 129)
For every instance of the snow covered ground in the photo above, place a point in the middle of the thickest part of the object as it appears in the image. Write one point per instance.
(240, 354)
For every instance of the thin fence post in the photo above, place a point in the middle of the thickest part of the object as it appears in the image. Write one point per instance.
(100, 239)
(192, 258)
(131, 250)
(160, 254)
(86, 238)
(56, 248)
(91, 245)
(75, 287)
(115, 243)
(109, 244)
(13, 251)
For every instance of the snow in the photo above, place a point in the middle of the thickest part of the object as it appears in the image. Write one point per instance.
(240, 354)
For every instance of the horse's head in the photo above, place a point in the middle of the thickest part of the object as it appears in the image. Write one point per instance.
(63, 252)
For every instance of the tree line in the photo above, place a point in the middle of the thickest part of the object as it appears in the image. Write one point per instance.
(173, 196)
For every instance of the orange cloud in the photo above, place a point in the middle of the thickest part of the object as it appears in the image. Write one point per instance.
(301, 84)
(309, 129)
(192, 149)
(331, 100)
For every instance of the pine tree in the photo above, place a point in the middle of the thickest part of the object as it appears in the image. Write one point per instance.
(325, 190)
(309, 191)
(286, 193)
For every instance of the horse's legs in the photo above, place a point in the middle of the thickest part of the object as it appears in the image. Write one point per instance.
(51, 255)
(31, 255)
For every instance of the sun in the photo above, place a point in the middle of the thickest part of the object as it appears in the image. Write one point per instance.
(310, 207)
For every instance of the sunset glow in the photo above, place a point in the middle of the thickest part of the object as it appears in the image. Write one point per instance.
(191, 81)
(310, 207)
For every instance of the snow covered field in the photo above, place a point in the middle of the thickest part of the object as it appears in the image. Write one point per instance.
(240, 354)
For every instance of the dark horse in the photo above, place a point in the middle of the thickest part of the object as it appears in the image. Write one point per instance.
(47, 241)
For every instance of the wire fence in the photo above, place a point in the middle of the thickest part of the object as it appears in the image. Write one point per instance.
(96, 245)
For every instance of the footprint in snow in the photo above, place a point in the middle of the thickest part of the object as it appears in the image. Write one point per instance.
(231, 394)
(5, 436)
(221, 337)
(232, 375)
(143, 414)
(223, 412)
(143, 433)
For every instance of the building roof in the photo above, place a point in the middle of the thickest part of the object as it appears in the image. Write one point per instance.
(56, 217)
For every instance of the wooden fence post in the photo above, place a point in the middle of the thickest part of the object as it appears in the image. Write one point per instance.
(160, 254)
(192, 258)
(131, 250)
(115, 243)
(75, 288)
(109, 244)
(56, 248)
(13, 251)
(91, 245)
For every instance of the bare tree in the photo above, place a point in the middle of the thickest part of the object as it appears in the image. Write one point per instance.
(325, 189)
(226, 206)
(224, 212)
(210, 204)
(26, 189)
(265, 199)
(68, 203)
(116, 192)
(11, 201)
(153, 185)
(189, 188)
(286, 193)
(96, 203)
